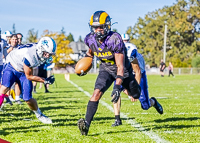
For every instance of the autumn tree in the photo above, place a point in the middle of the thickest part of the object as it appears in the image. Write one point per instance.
(62, 57)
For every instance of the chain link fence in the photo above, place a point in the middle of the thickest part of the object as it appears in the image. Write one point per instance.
(176, 71)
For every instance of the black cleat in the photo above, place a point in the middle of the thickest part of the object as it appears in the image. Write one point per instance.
(83, 127)
(117, 123)
(157, 106)
(8, 100)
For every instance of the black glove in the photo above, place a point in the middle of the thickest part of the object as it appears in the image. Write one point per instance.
(82, 73)
(116, 93)
(49, 80)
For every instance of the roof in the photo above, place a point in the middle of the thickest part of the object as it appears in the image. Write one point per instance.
(78, 47)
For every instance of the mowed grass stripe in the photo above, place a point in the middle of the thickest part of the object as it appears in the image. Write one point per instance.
(66, 104)
(133, 123)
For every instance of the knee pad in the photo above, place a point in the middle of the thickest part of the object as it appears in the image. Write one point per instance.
(135, 89)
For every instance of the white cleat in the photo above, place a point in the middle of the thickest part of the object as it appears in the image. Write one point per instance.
(44, 119)
(11, 98)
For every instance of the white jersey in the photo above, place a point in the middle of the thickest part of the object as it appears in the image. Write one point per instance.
(130, 47)
(3, 44)
(23, 54)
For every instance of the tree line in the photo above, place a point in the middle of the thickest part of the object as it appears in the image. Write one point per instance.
(183, 34)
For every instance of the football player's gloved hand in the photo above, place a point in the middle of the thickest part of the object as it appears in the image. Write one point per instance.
(49, 80)
(82, 73)
(116, 93)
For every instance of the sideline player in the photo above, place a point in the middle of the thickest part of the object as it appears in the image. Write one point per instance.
(6, 43)
(109, 48)
(162, 67)
(138, 65)
(19, 68)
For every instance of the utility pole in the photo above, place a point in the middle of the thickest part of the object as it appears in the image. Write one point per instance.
(165, 40)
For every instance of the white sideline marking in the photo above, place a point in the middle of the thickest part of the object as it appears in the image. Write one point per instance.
(133, 123)
(161, 97)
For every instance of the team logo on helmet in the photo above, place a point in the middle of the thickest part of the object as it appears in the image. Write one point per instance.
(45, 43)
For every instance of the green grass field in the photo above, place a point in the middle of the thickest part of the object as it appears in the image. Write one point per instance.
(66, 104)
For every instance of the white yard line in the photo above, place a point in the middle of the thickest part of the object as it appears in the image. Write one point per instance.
(133, 123)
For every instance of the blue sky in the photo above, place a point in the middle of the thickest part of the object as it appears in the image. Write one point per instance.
(73, 15)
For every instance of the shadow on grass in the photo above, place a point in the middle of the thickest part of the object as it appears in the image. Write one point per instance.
(176, 119)
(110, 118)
(112, 132)
(2, 132)
(21, 129)
(57, 107)
(56, 91)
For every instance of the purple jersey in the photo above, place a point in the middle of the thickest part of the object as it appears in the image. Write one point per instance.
(106, 52)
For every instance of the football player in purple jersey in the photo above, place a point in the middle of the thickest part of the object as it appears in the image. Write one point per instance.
(111, 51)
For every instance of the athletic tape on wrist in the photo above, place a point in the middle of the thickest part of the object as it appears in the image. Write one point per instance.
(121, 77)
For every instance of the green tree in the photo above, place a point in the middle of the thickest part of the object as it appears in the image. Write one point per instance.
(115, 30)
(196, 61)
(32, 36)
(14, 30)
(80, 39)
(70, 37)
(182, 19)
(63, 30)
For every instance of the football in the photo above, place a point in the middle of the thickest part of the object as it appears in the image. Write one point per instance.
(83, 65)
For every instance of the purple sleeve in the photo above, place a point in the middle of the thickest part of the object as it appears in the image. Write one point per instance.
(86, 40)
(117, 43)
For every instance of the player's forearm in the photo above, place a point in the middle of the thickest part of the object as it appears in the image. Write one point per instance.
(35, 78)
(10, 49)
(120, 72)
(137, 71)
(138, 77)
(119, 58)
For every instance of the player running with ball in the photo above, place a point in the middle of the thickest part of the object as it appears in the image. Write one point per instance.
(110, 49)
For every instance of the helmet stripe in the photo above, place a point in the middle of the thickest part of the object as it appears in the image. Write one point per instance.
(54, 45)
(102, 18)
(91, 20)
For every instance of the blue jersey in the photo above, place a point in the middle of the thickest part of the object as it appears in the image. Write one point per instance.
(3, 44)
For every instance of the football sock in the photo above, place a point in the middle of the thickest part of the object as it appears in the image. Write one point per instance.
(45, 86)
(152, 102)
(91, 110)
(38, 112)
(17, 97)
(34, 88)
(2, 96)
(117, 117)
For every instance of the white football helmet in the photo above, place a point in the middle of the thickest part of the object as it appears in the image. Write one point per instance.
(5, 35)
(125, 37)
(46, 44)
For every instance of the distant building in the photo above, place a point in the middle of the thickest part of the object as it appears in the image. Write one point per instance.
(79, 49)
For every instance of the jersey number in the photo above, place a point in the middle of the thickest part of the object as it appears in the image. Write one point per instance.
(108, 61)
